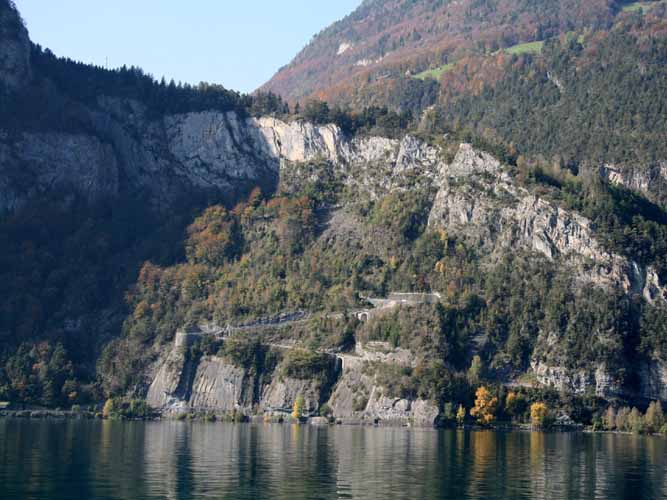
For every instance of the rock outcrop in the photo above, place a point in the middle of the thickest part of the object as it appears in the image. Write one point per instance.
(213, 384)
(358, 399)
(15, 69)
(219, 385)
(598, 380)
(653, 380)
(649, 180)
(124, 151)
(479, 199)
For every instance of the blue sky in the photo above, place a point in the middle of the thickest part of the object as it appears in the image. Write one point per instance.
(237, 43)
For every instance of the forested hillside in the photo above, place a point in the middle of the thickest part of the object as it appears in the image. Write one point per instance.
(519, 185)
(599, 97)
(384, 39)
(571, 82)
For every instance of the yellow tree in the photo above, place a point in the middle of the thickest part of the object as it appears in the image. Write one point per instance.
(461, 415)
(108, 409)
(609, 419)
(485, 406)
(654, 418)
(297, 409)
(511, 403)
(538, 415)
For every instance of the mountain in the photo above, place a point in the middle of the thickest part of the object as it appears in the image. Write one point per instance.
(382, 40)
(534, 76)
(209, 252)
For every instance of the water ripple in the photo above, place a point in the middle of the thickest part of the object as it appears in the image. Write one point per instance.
(185, 460)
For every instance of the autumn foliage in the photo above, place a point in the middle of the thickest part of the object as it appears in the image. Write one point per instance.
(485, 407)
(538, 415)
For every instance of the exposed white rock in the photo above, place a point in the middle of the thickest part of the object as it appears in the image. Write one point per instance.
(653, 379)
(216, 149)
(419, 412)
(364, 62)
(283, 392)
(344, 47)
(478, 199)
(357, 399)
(368, 62)
(649, 180)
(163, 391)
(220, 386)
(383, 352)
(598, 379)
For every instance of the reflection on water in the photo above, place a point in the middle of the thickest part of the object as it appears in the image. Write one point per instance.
(181, 460)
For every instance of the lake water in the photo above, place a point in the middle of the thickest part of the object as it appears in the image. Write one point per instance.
(183, 460)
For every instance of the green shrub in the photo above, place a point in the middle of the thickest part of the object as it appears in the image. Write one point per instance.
(303, 365)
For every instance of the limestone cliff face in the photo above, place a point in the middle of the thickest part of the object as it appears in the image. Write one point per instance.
(653, 380)
(597, 379)
(214, 384)
(357, 398)
(479, 199)
(15, 69)
(221, 386)
(649, 180)
(126, 152)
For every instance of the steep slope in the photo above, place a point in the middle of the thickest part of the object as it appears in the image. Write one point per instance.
(208, 251)
(15, 51)
(384, 39)
(531, 287)
(577, 84)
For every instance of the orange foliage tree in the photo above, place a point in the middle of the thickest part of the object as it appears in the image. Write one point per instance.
(485, 406)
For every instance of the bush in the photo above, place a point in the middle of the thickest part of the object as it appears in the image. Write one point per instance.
(515, 404)
(326, 411)
(298, 408)
(609, 419)
(301, 364)
(359, 402)
(122, 409)
(461, 415)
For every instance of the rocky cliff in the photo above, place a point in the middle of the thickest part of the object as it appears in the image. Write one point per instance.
(120, 148)
(15, 70)
(649, 181)
(477, 198)
(188, 153)
(218, 385)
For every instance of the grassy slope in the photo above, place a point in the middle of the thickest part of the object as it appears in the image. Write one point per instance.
(633, 7)
(434, 73)
(522, 48)
(526, 48)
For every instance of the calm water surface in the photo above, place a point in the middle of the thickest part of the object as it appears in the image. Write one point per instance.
(182, 460)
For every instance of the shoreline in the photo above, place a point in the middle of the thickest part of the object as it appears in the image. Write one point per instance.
(66, 415)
